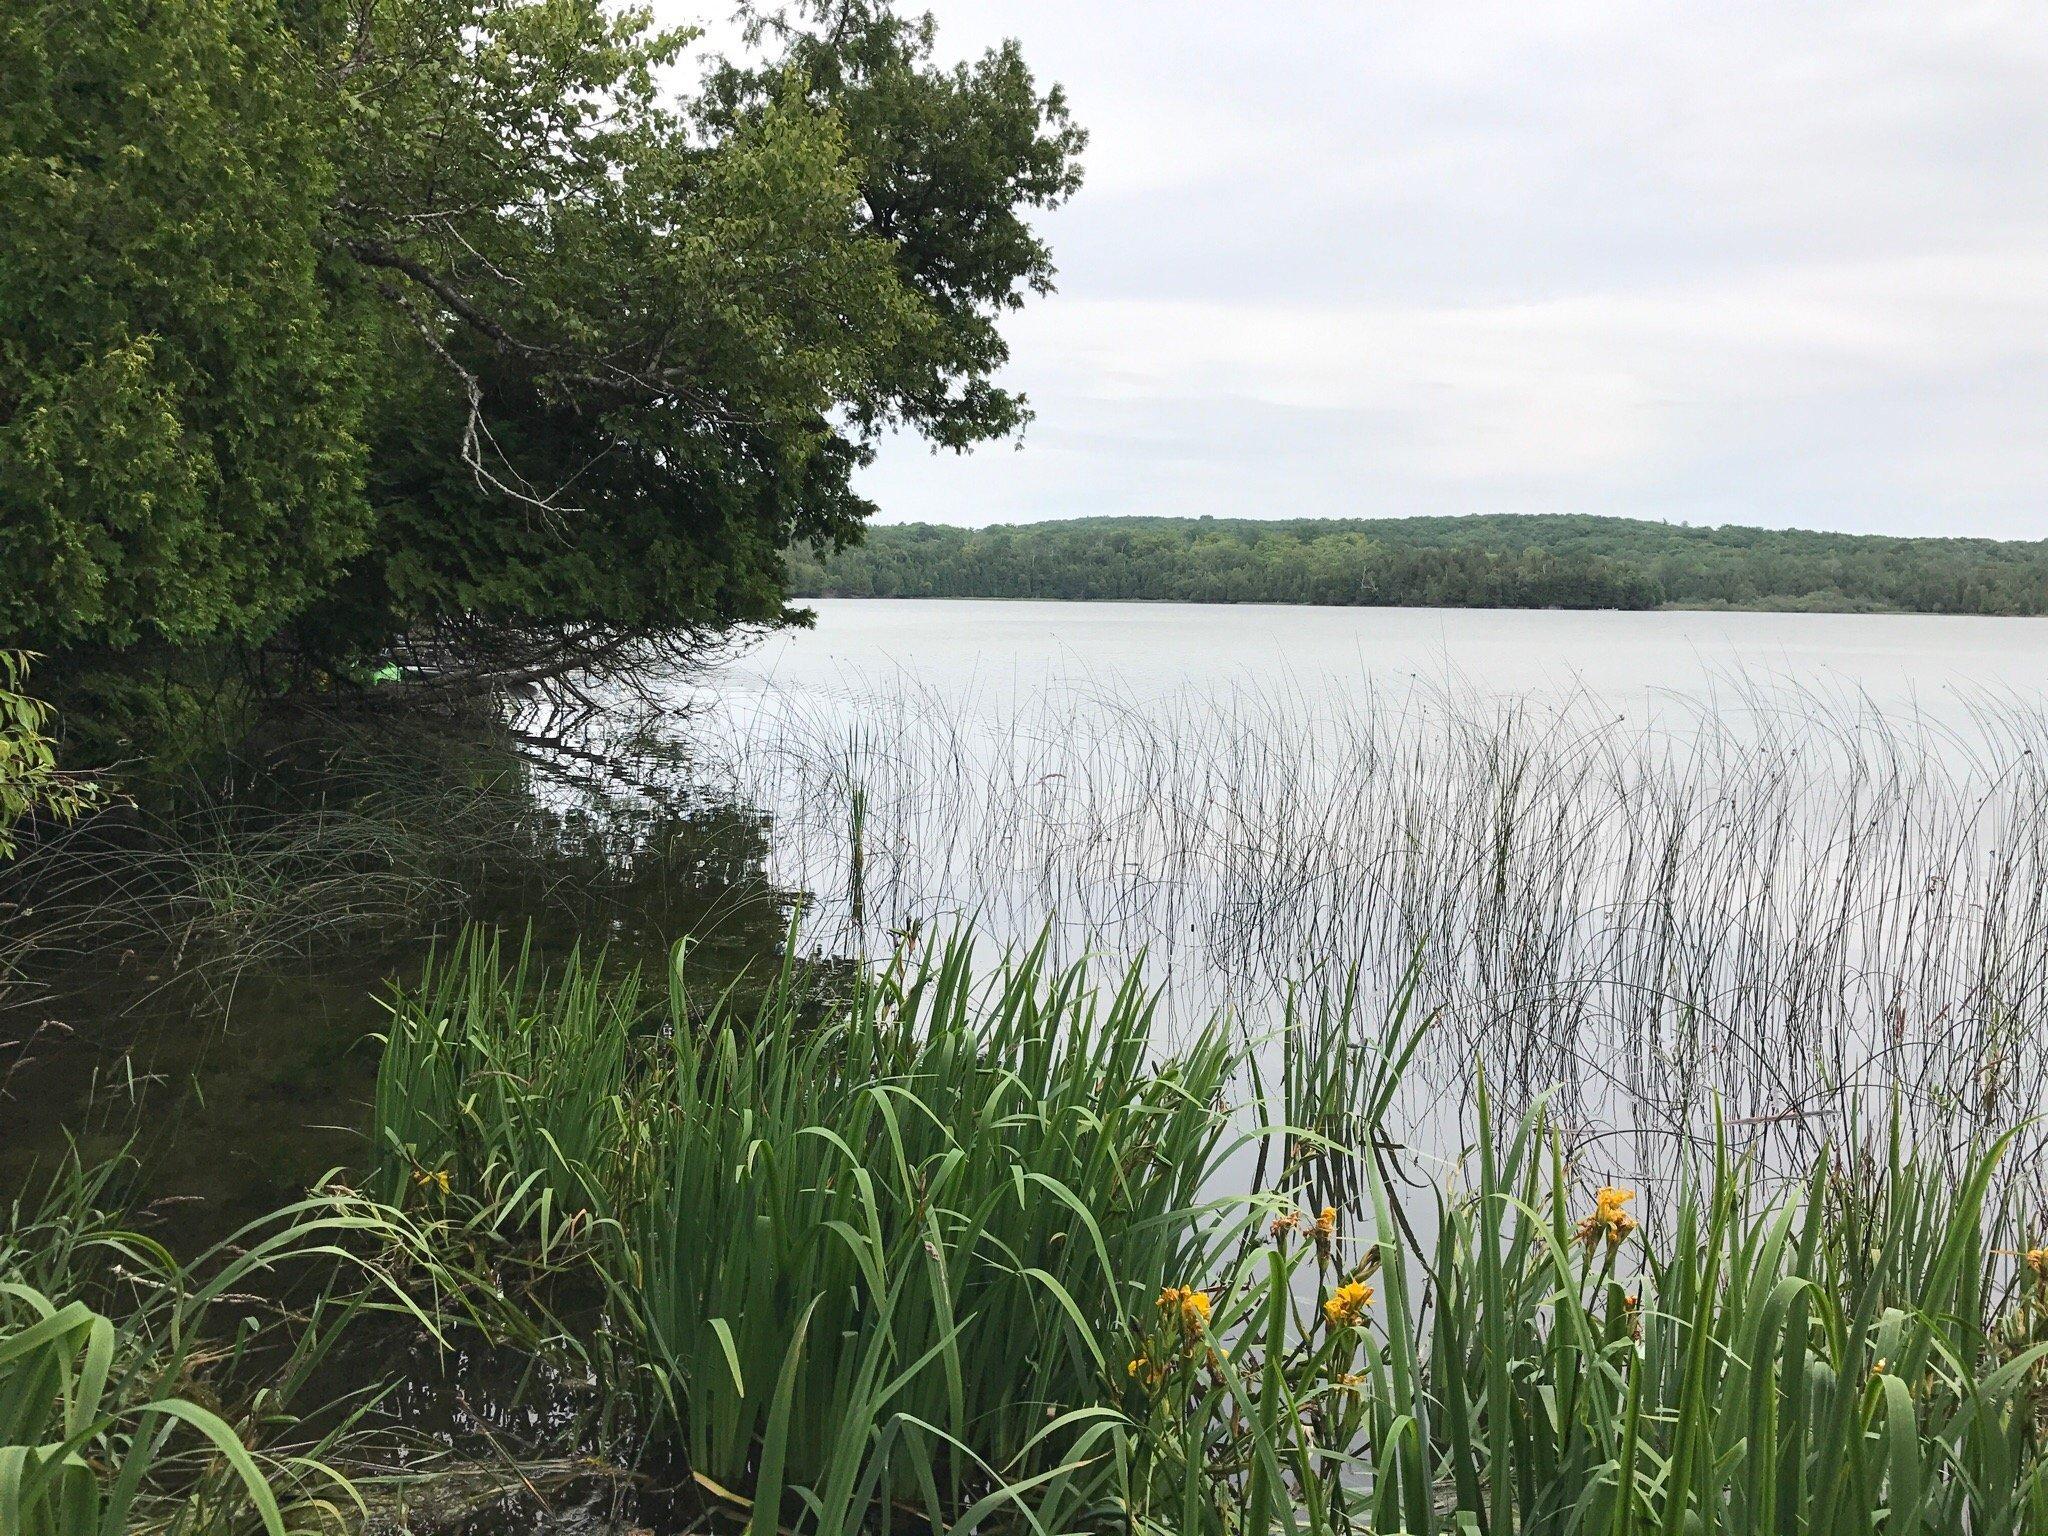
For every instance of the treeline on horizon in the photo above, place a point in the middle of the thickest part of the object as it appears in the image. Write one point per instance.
(1483, 561)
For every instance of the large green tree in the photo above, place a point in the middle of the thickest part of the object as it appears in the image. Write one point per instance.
(328, 323)
(181, 392)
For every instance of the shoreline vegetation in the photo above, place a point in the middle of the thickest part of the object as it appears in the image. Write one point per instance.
(940, 1235)
(396, 388)
(948, 1245)
(1479, 561)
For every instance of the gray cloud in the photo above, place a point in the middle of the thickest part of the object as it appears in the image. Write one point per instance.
(1780, 263)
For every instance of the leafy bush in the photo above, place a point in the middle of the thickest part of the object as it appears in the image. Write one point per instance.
(31, 784)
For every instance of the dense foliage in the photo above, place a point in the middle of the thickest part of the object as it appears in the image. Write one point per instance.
(181, 391)
(31, 783)
(324, 322)
(1454, 562)
(962, 1247)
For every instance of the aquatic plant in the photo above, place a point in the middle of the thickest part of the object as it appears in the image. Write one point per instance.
(73, 1458)
(514, 1090)
(140, 1392)
(958, 1242)
(866, 1242)
(1775, 897)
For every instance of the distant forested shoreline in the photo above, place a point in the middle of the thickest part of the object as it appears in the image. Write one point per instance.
(1446, 562)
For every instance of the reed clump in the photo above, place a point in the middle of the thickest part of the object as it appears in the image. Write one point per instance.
(1776, 896)
(142, 1393)
(961, 1245)
(865, 1244)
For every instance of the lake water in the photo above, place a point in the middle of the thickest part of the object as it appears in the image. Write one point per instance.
(1154, 650)
(1785, 865)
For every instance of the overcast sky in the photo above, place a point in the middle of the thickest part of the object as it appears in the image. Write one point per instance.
(1783, 264)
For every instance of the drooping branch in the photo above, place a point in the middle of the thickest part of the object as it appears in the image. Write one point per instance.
(604, 374)
(453, 662)
(474, 430)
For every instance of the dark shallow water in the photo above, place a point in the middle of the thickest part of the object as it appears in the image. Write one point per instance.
(199, 997)
(206, 1001)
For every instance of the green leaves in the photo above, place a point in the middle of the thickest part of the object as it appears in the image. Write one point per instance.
(954, 1239)
(31, 784)
(948, 161)
(644, 345)
(180, 450)
(128, 1412)
(325, 323)
(952, 1189)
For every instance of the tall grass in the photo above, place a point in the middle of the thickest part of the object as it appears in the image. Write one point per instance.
(515, 1091)
(144, 1393)
(864, 1242)
(1824, 1359)
(1779, 899)
(959, 1245)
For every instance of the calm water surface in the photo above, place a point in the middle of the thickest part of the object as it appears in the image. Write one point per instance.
(1612, 837)
(1150, 650)
(1784, 866)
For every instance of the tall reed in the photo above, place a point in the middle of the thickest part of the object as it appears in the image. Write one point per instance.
(1780, 898)
(868, 1242)
(515, 1088)
(143, 1393)
(959, 1244)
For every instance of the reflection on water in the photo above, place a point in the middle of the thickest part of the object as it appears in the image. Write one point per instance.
(202, 988)
(1645, 867)
(1783, 867)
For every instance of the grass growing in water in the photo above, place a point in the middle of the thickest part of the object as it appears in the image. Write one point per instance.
(517, 1090)
(865, 1244)
(959, 1248)
(1779, 896)
(141, 1393)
